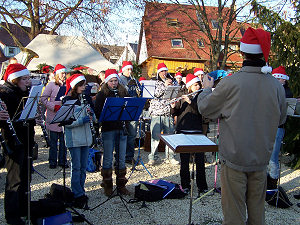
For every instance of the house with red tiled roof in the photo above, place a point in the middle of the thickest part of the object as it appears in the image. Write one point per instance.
(170, 36)
(7, 44)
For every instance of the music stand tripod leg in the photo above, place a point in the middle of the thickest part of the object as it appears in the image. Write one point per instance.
(139, 158)
(192, 187)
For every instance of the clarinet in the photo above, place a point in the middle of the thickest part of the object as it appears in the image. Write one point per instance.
(17, 142)
(123, 122)
(96, 140)
(43, 126)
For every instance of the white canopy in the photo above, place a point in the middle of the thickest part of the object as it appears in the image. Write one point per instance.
(65, 50)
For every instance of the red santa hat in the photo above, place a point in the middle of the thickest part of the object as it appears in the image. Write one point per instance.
(73, 80)
(59, 69)
(161, 67)
(191, 79)
(14, 71)
(141, 79)
(178, 74)
(198, 71)
(126, 65)
(256, 41)
(279, 72)
(110, 73)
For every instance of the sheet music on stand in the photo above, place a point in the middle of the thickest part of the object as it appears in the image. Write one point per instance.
(148, 88)
(65, 113)
(30, 107)
(171, 92)
(189, 143)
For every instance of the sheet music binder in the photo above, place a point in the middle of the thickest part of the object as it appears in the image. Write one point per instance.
(189, 143)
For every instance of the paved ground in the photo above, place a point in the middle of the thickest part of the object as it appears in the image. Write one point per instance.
(206, 211)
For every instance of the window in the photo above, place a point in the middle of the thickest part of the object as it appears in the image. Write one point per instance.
(172, 22)
(215, 24)
(200, 20)
(177, 43)
(200, 43)
(11, 51)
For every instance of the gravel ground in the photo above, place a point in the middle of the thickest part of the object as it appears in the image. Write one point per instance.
(206, 211)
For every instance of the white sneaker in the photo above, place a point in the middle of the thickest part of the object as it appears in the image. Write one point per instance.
(174, 162)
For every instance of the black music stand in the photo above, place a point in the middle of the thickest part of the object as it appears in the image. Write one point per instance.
(121, 109)
(28, 113)
(189, 143)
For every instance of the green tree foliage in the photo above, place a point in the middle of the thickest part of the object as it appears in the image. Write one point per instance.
(285, 36)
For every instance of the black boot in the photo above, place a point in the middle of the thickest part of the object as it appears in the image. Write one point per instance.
(271, 183)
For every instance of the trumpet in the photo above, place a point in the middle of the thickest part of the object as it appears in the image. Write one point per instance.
(17, 142)
(96, 139)
(179, 98)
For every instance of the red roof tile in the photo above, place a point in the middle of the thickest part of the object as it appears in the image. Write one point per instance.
(6, 39)
(159, 34)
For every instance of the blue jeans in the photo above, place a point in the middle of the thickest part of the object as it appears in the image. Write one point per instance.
(274, 160)
(79, 159)
(159, 124)
(132, 129)
(62, 159)
(114, 140)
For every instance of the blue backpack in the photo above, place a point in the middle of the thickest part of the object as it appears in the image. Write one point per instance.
(94, 160)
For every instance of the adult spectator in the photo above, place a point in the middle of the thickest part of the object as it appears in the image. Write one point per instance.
(250, 105)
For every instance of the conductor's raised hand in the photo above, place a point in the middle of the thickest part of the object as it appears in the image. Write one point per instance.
(208, 81)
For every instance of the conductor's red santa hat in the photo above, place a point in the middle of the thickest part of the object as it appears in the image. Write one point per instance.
(256, 41)
(279, 72)
(126, 65)
(14, 71)
(178, 74)
(73, 80)
(161, 67)
(198, 71)
(191, 79)
(110, 73)
(59, 69)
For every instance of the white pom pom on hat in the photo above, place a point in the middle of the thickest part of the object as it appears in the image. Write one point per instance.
(256, 41)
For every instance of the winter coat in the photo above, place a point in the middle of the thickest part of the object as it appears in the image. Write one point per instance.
(78, 134)
(188, 116)
(130, 85)
(250, 106)
(12, 97)
(48, 99)
(159, 106)
(100, 100)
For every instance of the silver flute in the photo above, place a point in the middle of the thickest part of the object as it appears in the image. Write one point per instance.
(179, 98)
(17, 142)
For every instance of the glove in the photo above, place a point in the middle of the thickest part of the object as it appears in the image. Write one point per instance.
(86, 119)
(56, 108)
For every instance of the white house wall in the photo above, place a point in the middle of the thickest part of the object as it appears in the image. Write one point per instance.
(130, 57)
(143, 50)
